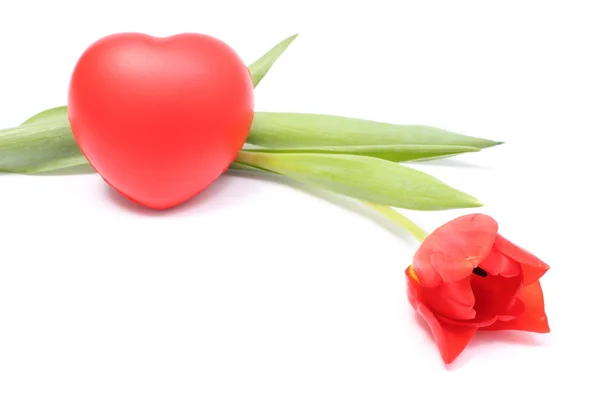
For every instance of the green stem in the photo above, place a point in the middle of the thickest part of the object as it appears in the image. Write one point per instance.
(399, 219)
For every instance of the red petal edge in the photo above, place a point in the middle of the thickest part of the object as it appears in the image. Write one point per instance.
(451, 340)
(454, 300)
(532, 267)
(497, 263)
(533, 319)
(450, 253)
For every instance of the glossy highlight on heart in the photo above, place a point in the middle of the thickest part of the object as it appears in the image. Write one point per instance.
(160, 119)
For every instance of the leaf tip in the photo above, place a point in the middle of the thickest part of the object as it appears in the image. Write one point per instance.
(287, 41)
(470, 201)
(476, 203)
(491, 143)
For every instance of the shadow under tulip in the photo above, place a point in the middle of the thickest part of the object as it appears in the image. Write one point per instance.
(483, 338)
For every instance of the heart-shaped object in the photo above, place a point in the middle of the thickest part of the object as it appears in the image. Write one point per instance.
(160, 119)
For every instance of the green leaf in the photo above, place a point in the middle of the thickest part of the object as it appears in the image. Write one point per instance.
(364, 178)
(235, 166)
(42, 145)
(259, 68)
(395, 153)
(58, 114)
(279, 129)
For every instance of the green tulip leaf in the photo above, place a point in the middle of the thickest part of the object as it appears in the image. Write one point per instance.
(236, 166)
(280, 129)
(395, 153)
(41, 145)
(364, 178)
(259, 68)
(58, 114)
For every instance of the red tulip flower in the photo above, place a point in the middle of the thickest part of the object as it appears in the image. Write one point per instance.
(466, 277)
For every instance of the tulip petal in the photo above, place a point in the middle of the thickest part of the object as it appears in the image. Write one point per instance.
(477, 322)
(533, 319)
(413, 289)
(497, 263)
(494, 295)
(514, 311)
(532, 267)
(495, 298)
(453, 300)
(449, 300)
(452, 251)
(451, 340)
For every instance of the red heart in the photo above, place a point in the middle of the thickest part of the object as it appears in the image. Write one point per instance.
(160, 119)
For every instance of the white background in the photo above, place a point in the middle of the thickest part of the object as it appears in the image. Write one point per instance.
(258, 289)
